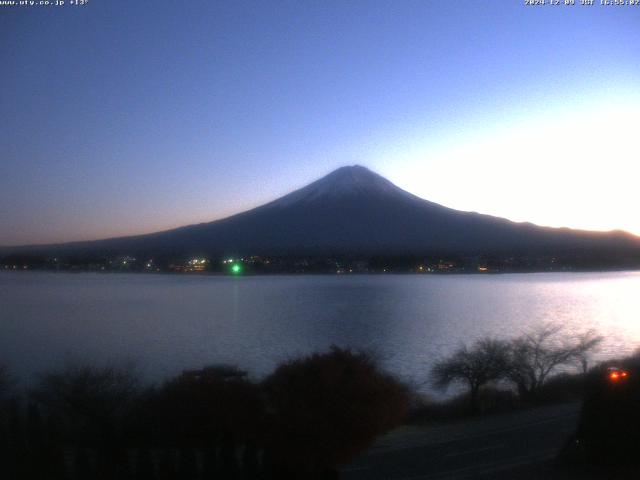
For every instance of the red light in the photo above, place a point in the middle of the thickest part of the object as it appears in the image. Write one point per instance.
(615, 374)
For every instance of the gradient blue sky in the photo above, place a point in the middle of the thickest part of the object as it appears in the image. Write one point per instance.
(126, 117)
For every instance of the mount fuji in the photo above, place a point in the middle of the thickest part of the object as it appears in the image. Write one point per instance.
(356, 211)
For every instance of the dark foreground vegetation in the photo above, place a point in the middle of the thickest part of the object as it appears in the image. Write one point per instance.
(534, 369)
(308, 418)
(530, 369)
(303, 421)
(609, 431)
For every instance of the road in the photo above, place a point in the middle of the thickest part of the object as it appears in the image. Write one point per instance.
(482, 448)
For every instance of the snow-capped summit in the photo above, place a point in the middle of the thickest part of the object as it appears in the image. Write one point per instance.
(349, 181)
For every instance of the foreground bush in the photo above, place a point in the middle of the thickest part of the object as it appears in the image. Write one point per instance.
(88, 403)
(199, 407)
(310, 416)
(324, 409)
(609, 429)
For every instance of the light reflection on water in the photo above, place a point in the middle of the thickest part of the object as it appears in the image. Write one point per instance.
(166, 323)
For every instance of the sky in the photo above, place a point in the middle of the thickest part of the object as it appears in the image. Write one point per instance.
(123, 117)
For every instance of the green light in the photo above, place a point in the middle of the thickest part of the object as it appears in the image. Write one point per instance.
(236, 268)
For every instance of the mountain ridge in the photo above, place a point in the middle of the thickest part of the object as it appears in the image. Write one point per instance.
(353, 210)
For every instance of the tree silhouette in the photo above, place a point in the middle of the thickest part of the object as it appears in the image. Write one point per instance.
(93, 399)
(536, 355)
(485, 361)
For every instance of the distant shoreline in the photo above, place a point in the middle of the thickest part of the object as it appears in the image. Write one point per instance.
(319, 274)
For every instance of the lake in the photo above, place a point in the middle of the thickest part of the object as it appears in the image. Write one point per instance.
(166, 323)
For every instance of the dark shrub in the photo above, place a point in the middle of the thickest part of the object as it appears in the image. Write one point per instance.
(490, 400)
(204, 406)
(564, 387)
(326, 408)
(89, 404)
(609, 429)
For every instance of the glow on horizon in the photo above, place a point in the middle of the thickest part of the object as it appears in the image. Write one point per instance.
(569, 164)
(566, 167)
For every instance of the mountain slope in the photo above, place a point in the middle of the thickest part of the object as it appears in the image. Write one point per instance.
(353, 210)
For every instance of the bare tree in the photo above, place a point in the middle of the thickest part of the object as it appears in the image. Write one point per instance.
(89, 398)
(485, 361)
(534, 356)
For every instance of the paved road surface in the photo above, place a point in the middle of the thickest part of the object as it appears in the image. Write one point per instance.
(486, 447)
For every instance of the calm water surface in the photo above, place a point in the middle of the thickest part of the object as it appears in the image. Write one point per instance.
(166, 323)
